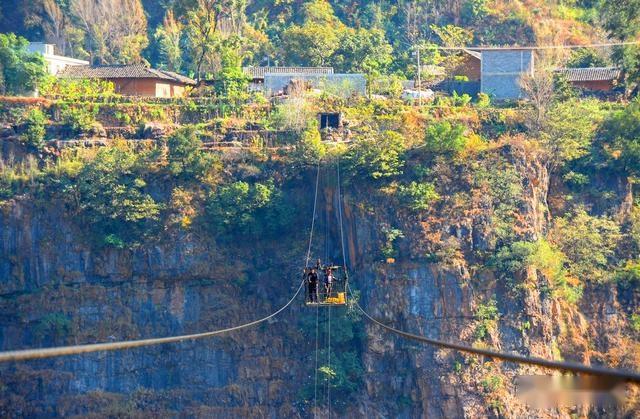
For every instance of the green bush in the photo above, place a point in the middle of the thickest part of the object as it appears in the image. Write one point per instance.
(418, 196)
(20, 70)
(186, 157)
(76, 89)
(589, 244)
(79, 119)
(514, 259)
(310, 148)
(376, 157)
(483, 100)
(487, 317)
(445, 138)
(243, 208)
(35, 131)
(110, 193)
(391, 235)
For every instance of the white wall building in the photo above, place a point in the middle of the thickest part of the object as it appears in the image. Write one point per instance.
(55, 63)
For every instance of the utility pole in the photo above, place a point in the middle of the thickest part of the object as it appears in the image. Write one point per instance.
(419, 78)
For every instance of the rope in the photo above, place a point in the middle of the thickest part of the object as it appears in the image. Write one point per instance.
(632, 377)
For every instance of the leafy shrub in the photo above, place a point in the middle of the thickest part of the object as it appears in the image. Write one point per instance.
(243, 208)
(486, 316)
(79, 119)
(635, 322)
(460, 100)
(310, 148)
(589, 244)
(445, 138)
(21, 70)
(418, 196)
(110, 193)
(76, 89)
(391, 235)
(629, 274)
(53, 326)
(186, 157)
(35, 129)
(483, 100)
(542, 256)
(377, 157)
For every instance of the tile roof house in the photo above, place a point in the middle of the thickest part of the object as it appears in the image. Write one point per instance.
(592, 78)
(258, 73)
(134, 80)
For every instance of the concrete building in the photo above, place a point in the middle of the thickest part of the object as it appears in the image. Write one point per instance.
(602, 79)
(257, 74)
(134, 80)
(344, 85)
(278, 80)
(55, 63)
(502, 69)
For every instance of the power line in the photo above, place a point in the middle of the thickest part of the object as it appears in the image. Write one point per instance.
(632, 377)
(533, 47)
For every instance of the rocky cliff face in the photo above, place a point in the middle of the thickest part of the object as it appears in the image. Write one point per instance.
(55, 289)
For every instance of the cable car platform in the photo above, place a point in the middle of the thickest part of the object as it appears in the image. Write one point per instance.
(339, 300)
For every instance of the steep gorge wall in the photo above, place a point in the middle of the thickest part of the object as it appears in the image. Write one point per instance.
(56, 290)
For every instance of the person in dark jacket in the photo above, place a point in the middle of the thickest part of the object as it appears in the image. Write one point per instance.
(312, 281)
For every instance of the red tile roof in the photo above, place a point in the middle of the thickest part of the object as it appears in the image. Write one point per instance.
(122, 72)
(590, 74)
(259, 72)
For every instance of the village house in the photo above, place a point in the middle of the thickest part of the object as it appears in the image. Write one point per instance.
(257, 74)
(600, 79)
(274, 81)
(502, 69)
(55, 63)
(134, 80)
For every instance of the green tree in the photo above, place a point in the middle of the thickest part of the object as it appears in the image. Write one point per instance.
(35, 131)
(168, 37)
(622, 20)
(309, 45)
(569, 129)
(620, 145)
(20, 70)
(445, 138)
(362, 51)
(111, 195)
(586, 57)
(589, 244)
(243, 208)
(186, 157)
(418, 196)
(377, 157)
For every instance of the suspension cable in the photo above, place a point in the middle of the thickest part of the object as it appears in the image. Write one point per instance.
(632, 377)
(329, 366)
(315, 379)
(344, 253)
(26, 354)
